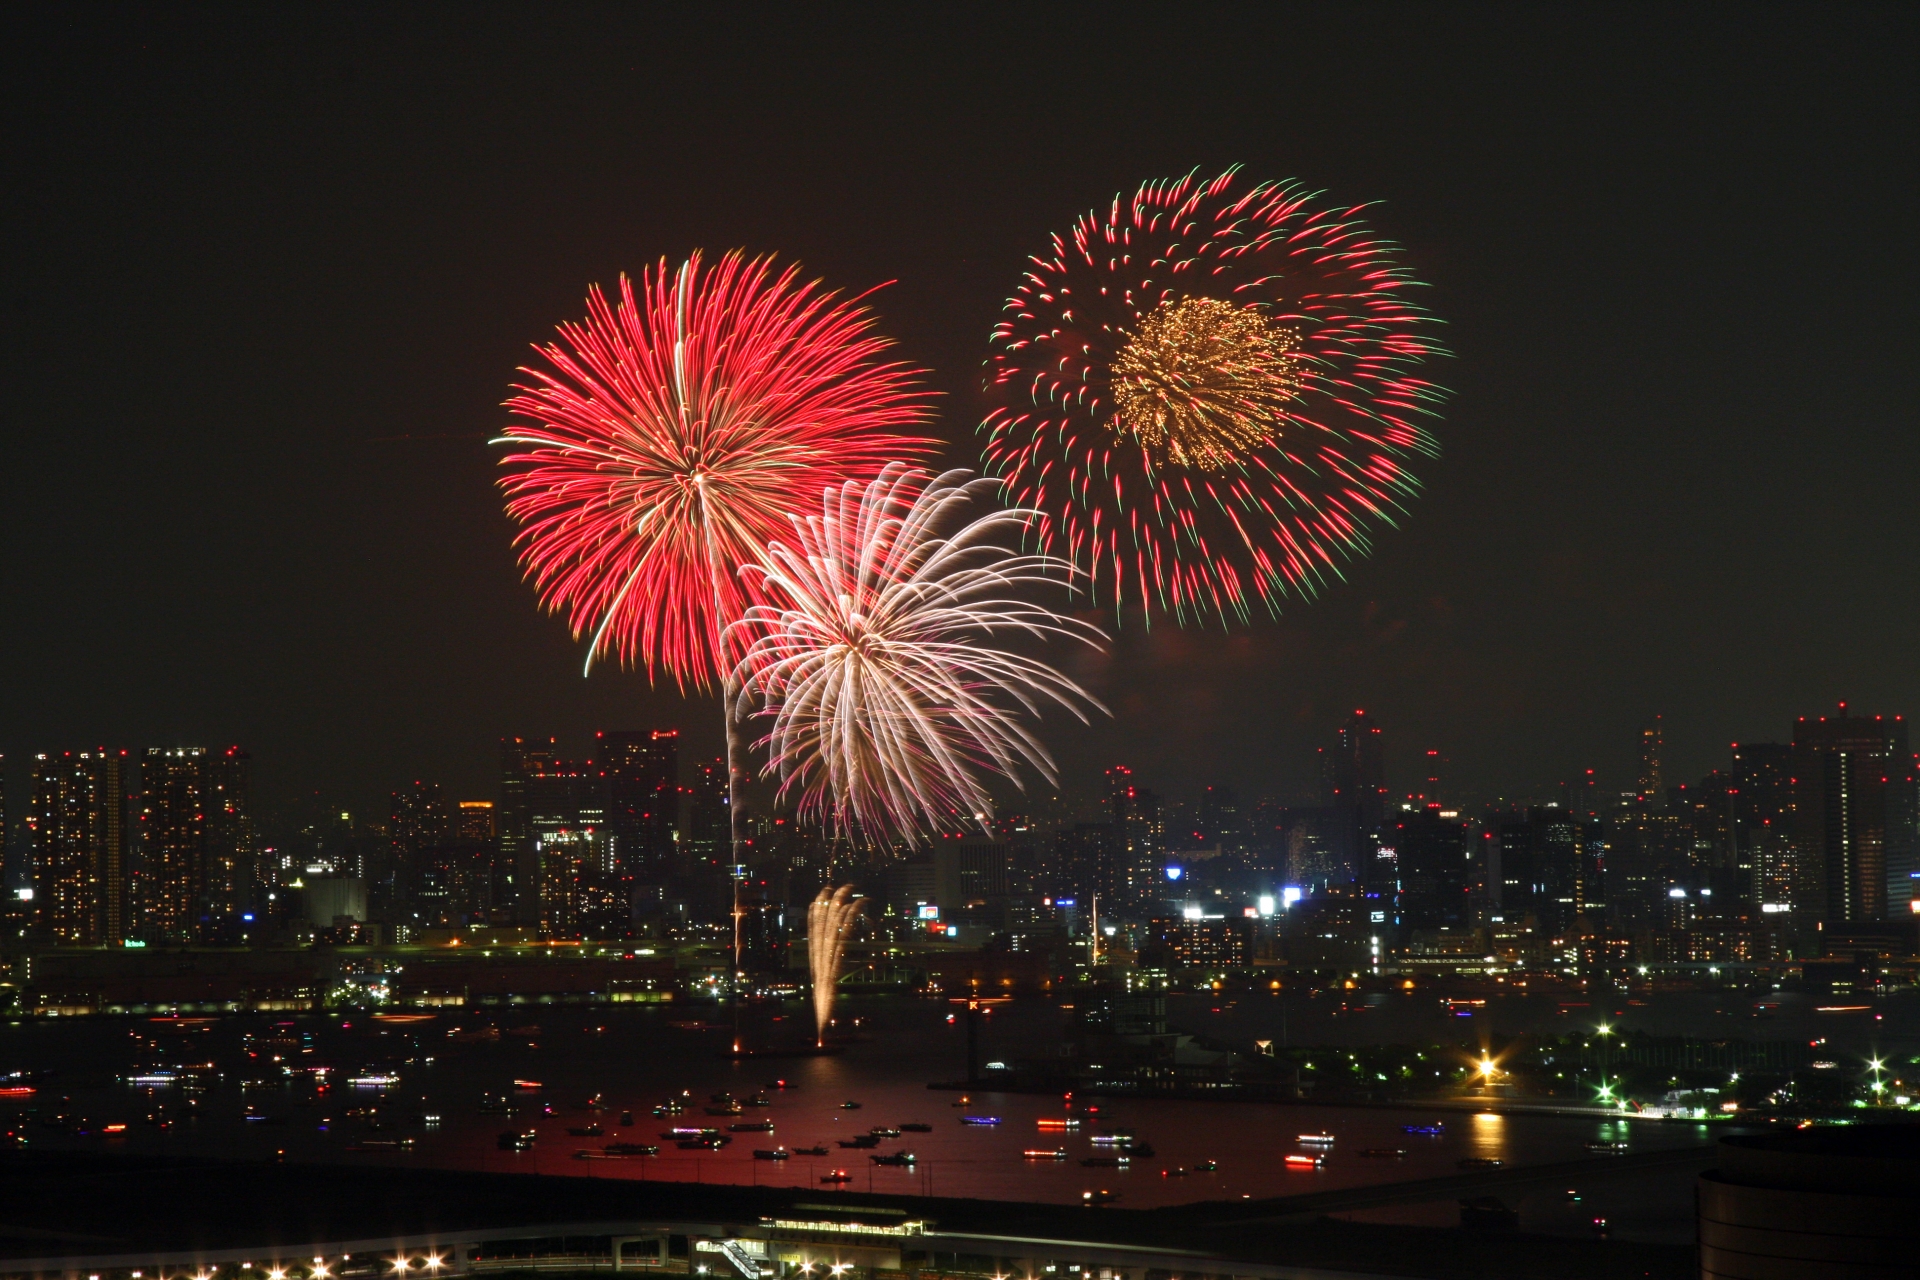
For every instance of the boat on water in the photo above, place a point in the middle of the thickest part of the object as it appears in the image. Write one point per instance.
(1479, 1162)
(382, 1144)
(631, 1149)
(516, 1141)
(778, 1153)
(1139, 1150)
(837, 1175)
(898, 1159)
(849, 1105)
(1323, 1138)
(713, 1143)
(1033, 1153)
(1425, 1130)
(1608, 1148)
(626, 1119)
(1048, 1122)
(1305, 1160)
(1207, 1166)
(980, 1120)
(682, 1132)
(751, 1126)
(809, 1151)
(1098, 1197)
(860, 1141)
(881, 1131)
(585, 1131)
(1106, 1162)
(1384, 1153)
(916, 1127)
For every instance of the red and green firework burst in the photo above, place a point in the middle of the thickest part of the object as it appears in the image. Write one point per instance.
(1212, 391)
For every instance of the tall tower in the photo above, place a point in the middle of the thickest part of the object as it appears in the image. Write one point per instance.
(1842, 765)
(173, 821)
(517, 887)
(1142, 836)
(229, 872)
(76, 825)
(641, 774)
(1652, 783)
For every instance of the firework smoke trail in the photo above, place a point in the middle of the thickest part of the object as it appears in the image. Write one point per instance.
(1211, 389)
(876, 656)
(674, 430)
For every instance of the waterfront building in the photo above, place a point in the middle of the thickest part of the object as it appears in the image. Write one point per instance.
(519, 890)
(77, 834)
(1763, 813)
(1844, 769)
(173, 830)
(227, 872)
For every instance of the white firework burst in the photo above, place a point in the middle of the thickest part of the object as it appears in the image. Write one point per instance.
(880, 657)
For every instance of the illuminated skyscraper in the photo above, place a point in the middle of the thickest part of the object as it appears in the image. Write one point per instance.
(473, 823)
(77, 829)
(173, 822)
(709, 830)
(1142, 831)
(1843, 766)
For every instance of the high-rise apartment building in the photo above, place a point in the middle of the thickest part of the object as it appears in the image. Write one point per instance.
(709, 827)
(228, 874)
(1652, 782)
(173, 829)
(473, 821)
(76, 827)
(1763, 822)
(641, 774)
(1353, 772)
(1142, 831)
(1846, 770)
(1088, 859)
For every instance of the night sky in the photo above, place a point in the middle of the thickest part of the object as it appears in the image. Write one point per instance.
(268, 276)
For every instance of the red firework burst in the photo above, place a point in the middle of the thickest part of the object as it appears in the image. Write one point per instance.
(1211, 390)
(673, 436)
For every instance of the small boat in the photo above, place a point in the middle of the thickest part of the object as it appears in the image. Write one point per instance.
(1305, 1160)
(1113, 1131)
(1480, 1162)
(516, 1141)
(980, 1120)
(1207, 1166)
(965, 1101)
(1098, 1197)
(860, 1142)
(1608, 1148)
(899, 1159)
(714, 1143)
(1109, 1140)
(382, 1144)
(631, 1149)
(1106, 1162)
(1140, 1150)
(1425, 1130)
(1177, 1171)
(778, 1084)
(837, 1175)
(1384, 1153)
(626, 1119)
(1050, 1123)
(733, 1109)
(849, 1105)
(809, 1151)
(495, 1107)
(758, 1100)
(586, 1131)
(880, 1131)
(684, 1132)
(916, 1128)
(778, 1153)
(751, 1126)
(1322, 1138)
(1040, 1154)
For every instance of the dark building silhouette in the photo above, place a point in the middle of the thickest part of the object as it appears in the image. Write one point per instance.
(641, 774)
(1844, 769)
(1431, 853)
(1088, 859)
(1141, 828)
(518, 890)
(1763, 821)
(1353, 784)
(1652, 782)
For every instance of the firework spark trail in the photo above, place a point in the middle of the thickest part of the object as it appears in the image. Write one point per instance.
(1212, 390)
(672, 434)
(830, 918)
(876, 658)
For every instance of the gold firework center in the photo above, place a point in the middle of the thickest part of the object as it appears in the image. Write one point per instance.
(1201, 381)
